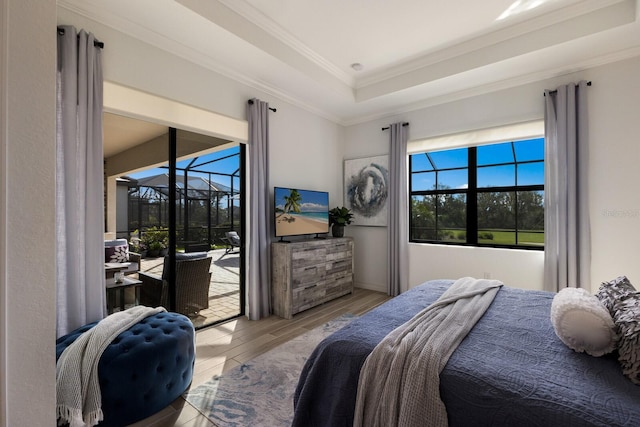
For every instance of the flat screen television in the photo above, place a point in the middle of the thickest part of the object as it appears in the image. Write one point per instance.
(299, 212)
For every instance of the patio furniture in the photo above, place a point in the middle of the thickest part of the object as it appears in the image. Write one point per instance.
(196, 247)
(143, 369)
(232, 240)
(192, 284)
(117, 251)
(115, 289)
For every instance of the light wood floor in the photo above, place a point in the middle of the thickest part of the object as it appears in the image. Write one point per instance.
(225, 346)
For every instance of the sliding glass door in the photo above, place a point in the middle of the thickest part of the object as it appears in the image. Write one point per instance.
(208, 210)
(180, 196)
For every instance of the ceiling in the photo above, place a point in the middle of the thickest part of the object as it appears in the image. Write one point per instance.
(413, 53)
(121, 133)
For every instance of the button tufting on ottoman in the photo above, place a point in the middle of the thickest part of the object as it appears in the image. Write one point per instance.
(144, 369)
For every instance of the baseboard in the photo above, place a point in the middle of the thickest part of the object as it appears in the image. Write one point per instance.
(371, 286)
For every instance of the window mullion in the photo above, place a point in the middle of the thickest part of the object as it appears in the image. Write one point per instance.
(472, 197)
(497, 211)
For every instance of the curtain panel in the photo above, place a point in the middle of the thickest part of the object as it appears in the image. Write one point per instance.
(80, 280)
(398, 227)
(567, 232)
(259, 244)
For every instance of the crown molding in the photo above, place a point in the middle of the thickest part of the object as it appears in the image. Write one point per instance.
(498, 86)
(224, 17)
(487, 39)
(258, 19)
(545, 31)
(158, 40)
(187, 53)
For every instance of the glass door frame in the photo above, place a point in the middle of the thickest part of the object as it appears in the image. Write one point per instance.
(172, 220)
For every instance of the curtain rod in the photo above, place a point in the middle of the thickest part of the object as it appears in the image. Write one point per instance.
(556, 91)
(251, 103)
(389, 127)
(96, 43)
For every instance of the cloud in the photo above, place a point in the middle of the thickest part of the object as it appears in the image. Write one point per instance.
(313, 207)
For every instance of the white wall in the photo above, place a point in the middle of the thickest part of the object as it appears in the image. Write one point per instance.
(122, 215)
(614, 107)
(27, 290)
(304, 152)
(27, 234)
(303, 147)
(615, 205)
(4, 87)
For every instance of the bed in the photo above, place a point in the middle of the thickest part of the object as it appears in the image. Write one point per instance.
(511, 369)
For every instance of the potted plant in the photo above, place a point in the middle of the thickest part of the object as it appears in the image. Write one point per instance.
(155, 240)
(338, 219)
(154, 249)
(137, 246)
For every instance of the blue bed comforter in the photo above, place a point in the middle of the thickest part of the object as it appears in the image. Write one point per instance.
(510, 370)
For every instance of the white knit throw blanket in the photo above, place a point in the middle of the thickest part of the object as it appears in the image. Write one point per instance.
(77, 388)
(399, 383)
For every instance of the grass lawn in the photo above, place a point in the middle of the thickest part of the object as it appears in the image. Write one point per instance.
(502, 237)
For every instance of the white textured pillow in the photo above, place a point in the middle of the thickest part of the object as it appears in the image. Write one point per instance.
(582, 323)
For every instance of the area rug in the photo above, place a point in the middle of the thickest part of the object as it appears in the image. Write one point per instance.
(260, 392)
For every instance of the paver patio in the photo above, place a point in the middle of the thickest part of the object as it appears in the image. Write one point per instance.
(224, 291)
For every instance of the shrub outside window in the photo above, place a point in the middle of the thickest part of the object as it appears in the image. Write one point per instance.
(490, 195)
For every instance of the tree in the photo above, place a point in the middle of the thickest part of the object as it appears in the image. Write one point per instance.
(496, 210)
(452, 211)
(423, 223)
(531, 210)
(292, 202)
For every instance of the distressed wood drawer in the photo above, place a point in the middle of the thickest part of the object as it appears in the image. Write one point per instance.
(308, 273)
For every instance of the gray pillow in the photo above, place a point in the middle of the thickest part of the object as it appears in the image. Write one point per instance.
(623, 302)
(627, 319)
(613, 291)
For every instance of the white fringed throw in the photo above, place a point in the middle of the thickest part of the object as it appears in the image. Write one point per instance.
(399, 383)
(78, 398)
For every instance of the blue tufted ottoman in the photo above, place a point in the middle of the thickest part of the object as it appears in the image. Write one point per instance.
(144, 369)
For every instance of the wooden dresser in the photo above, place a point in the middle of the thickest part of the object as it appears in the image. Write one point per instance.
(310, 272)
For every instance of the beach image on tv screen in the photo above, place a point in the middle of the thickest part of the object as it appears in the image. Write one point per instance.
(301, 212)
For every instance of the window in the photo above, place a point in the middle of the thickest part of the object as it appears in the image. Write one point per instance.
(490, 195)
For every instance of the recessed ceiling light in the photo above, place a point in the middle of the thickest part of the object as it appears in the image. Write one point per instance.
(357, 66)
(520, 6)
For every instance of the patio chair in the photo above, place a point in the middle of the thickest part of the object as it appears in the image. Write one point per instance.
(232, 240)
(117, 251)
(192, 284)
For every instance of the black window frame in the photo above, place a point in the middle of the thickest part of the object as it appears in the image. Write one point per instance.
(471, 194)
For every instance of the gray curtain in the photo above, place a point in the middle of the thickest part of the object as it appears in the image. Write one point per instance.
(398, 227)
(259, 283)
(567, 242)
(80, 281)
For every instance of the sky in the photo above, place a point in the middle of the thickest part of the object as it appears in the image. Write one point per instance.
(312, 201)
(226, 166)
(489, 174)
